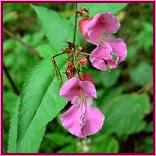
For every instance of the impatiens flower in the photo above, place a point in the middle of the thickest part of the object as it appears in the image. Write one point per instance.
(81, 119)
(99, 27)
(97, 30)
(108, 54)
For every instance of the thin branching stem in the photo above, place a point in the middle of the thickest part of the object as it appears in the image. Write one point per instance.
(8, 75)
(56, 67)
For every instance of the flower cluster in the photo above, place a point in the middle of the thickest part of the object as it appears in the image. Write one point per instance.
(82, 119)
(97, 30)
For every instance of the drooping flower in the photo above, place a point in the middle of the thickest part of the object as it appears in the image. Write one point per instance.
(81, 119)
(97, 30)
(108, 54)
(99, 27)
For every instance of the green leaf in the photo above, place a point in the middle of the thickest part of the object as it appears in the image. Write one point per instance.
(132, 52)
(104, 144)
(10, 16)
(9, 96)
(125, 113)
(57, 29)
(144, 38)
(95, 8)
(110, 77)
(58, 139)
(106, 78)
(8, 44)
(69, 149)
(12, 142)
(142, 74)
(106, 95)
(40, 103)
(45, 50)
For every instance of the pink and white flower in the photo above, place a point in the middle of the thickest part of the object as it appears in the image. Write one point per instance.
(81, 119)
(97, 30)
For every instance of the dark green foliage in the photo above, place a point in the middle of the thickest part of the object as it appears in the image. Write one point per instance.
(125, 113)
(141, 74)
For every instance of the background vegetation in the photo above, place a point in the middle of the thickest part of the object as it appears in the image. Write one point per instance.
(124, 94)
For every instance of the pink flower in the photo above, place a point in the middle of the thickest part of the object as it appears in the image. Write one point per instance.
(99, 27)
(109, 52)
(81, 119)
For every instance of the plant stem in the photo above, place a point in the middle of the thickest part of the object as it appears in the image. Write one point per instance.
(56, 67)
(75, 26)
(6, 71)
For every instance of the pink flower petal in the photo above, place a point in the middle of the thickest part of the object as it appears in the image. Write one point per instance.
(81, 121)
(93, 121)
(99, 27)
(119, 48)
(98, 63)
(112, 64)
(106, 22)
(100, 54)
(83, 26)
(78, 100)
(71, 120)
(88, 88)
(70, 88)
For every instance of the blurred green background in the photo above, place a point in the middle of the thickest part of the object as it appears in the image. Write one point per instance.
(124, 94)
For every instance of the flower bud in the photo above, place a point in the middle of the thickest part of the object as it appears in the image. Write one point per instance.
(83, 61)
(70, 71)
(83, 12)
(80, 49)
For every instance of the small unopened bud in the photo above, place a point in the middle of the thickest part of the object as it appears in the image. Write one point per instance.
(70, 48)
(70, 71)
(80, 49)
(83, 12)
(83, 61)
